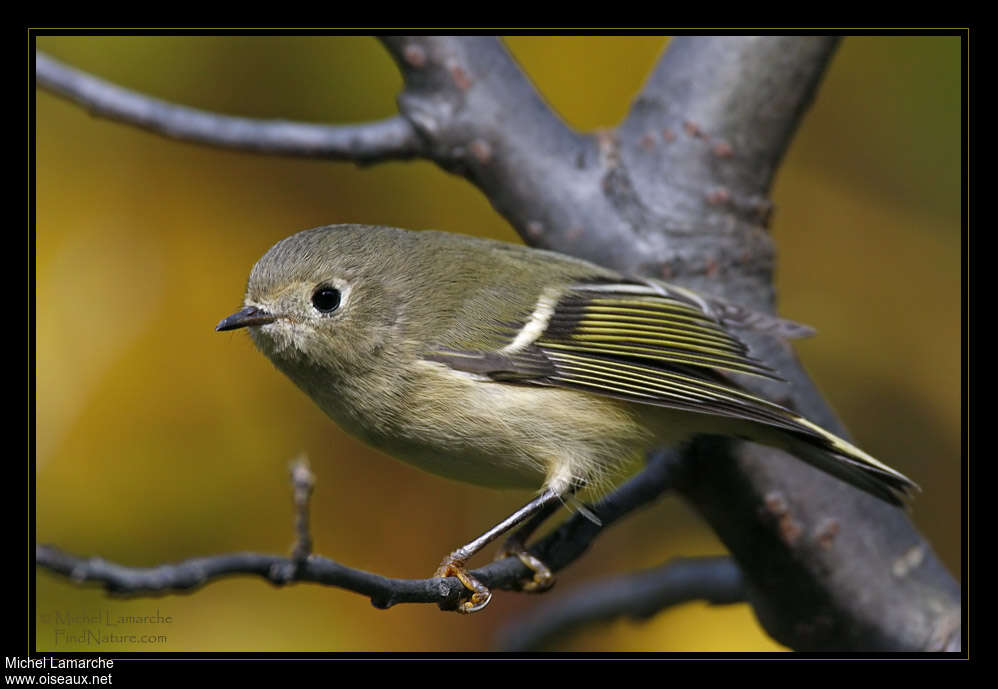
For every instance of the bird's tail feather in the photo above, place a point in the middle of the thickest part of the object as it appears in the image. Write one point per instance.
(842, 459)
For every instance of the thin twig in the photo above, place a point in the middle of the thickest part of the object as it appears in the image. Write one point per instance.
(716, 580)
(390, 139)
(303, 481)
(558, 549)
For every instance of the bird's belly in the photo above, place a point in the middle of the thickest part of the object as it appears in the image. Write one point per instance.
(462, 461)
(500, 434)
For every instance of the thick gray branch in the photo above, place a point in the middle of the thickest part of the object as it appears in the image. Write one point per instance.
(723, 110)
(679, 191)
(390, 139)
(825, 564)
(482, 118)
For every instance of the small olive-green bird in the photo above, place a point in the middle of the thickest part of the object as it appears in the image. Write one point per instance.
(503, 365)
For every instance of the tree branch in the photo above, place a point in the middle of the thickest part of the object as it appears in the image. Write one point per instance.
(482, 118)
(390, 139)
(716, 580)
(678, 191)
(559, 549)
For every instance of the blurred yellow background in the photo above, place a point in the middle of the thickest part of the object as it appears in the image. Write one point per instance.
(159, 439)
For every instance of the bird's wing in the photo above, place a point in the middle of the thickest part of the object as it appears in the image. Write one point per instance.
(652, 344)
(648, 343)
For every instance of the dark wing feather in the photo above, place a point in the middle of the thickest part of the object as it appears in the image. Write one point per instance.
(648, 326)
(660, 345)
(648, 344)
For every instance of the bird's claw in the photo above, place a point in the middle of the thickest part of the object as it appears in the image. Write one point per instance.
(480, 594)
(543, 578)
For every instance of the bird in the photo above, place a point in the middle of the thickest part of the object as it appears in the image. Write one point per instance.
(508, 366)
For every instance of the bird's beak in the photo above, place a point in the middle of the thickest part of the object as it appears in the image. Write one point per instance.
(251, 315)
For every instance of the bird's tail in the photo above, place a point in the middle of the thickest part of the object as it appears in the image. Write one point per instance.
(842, 459)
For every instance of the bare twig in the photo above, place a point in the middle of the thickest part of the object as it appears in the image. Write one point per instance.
(716, 580)
(558, 549)
(303, 481)
(192, 574)
(371, 142)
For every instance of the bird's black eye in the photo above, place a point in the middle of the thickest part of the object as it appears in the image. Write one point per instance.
(326, 299)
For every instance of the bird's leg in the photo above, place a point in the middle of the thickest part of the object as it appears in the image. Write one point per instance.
(516, 545)
(454, 564)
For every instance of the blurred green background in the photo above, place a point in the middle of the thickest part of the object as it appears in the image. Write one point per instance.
(159, 439)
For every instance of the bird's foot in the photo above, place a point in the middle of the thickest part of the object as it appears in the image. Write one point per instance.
(480, 594)
(543, 578)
